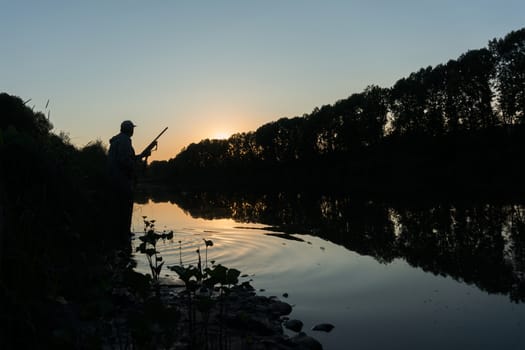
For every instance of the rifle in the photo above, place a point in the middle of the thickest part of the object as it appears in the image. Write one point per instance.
(153, 143)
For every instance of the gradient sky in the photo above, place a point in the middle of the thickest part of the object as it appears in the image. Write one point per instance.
(207, 69)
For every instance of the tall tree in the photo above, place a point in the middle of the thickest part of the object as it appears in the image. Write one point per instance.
(510, 70)
(408, 96)
(469, 89)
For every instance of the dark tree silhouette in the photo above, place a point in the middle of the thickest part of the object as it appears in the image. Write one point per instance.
(428, 131)
(509, 53)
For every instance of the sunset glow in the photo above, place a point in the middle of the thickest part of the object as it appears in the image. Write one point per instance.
(221, 135)
(213, 69)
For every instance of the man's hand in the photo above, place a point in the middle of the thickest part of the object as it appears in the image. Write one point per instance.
(147, 152)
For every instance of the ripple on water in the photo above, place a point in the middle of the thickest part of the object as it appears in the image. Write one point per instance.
(251, 251)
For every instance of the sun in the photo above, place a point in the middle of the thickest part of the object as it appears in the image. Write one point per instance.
(221, 135)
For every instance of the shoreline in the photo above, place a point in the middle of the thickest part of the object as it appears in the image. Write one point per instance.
(239, 319)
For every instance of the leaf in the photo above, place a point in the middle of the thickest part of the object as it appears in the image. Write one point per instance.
(232, 276)
(168, 235)
(179, 270)
(185, 273)
(217, 275)
(141, 248)
(158, 268)
(150, 252)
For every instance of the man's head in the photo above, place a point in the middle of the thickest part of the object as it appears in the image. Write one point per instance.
(127, 127)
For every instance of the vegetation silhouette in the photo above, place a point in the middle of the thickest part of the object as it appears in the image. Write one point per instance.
(54, 244)
(66, 279)
(457, 128)
(474, 242)
(454, 129)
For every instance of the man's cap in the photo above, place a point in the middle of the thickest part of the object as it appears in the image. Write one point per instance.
(127, 124)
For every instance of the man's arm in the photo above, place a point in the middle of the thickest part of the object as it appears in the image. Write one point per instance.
(147, 152)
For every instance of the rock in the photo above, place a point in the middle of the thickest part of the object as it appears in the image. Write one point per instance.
(255, 324)
(280, 308)
(294, 325)
(324, 327)
(305, 342)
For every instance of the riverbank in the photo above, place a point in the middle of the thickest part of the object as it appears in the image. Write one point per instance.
(168, 315)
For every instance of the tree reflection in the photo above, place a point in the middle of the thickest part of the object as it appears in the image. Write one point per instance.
(465, 242)
(476, 243)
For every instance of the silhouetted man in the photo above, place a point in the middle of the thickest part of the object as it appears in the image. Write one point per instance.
(122, 163)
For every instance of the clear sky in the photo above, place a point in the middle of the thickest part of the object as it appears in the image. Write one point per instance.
(207, 69)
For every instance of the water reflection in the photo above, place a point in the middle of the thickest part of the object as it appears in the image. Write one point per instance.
(476, 243)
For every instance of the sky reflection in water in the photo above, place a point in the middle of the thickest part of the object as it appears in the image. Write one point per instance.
(372, 305)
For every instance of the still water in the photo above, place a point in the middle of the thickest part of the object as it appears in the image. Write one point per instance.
(431, 276)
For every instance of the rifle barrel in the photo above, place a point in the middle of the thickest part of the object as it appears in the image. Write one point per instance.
(162, 132)
(150, 146)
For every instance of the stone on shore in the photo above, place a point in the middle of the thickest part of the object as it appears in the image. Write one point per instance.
(324, 327)
(305, 342)
(294, 325)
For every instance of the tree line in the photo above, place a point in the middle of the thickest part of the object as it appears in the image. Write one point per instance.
(476, 98)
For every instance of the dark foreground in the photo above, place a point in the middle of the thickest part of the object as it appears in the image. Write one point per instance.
(139, 314)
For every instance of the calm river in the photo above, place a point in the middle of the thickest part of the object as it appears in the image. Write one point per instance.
(388, 276)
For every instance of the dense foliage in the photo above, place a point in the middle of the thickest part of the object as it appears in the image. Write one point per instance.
(53, 237)
(457, 107)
